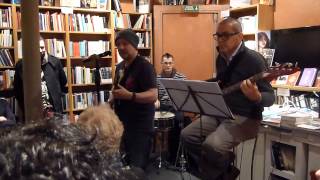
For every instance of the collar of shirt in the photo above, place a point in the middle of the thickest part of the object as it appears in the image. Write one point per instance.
(234, 53)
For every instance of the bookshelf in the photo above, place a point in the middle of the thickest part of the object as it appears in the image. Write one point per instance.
(141, 24)
(56, 26)
(297, 88)
(7, 50)
(263, 19)
(285, 157)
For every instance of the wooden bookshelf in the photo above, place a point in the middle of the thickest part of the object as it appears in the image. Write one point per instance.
(136, 30)
(297, 88)
(264, 18)
(87, 85)
(89, 33)
(249, 36)
(6, 47)
(67, 36)
(242, 11)
(5, 5)
(85, 57)
(48, 32)
(4, 28)
(136, 13)
(6, 67)
(128, 8)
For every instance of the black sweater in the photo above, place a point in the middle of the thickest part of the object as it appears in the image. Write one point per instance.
(245, 64)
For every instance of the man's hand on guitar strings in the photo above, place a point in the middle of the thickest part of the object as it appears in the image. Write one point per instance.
(250, 90)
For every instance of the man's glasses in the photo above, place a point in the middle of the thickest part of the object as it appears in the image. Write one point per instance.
(167, 63)
(224, 36)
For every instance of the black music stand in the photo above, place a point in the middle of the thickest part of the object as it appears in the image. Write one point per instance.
(204, 98)
(97, 76)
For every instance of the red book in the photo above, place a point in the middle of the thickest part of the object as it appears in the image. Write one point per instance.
(76, 49)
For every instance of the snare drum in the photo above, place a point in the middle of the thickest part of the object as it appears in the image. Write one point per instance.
(163, 119)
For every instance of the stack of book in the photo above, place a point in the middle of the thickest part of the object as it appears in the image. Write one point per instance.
(6, 79)
(144, 39)
(87, 48)
(83, 100)
(5, 19)
(125, 21)
(88, 23)
(6, 38)
(83, 75)
(54, 47)
(5, 58)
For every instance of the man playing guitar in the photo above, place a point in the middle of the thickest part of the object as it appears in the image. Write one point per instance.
(235, 63)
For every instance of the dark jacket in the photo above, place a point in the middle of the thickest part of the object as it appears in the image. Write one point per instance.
(55, 78)
(245, 64)
(6, 112)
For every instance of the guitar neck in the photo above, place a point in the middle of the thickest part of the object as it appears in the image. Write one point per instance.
(236, 86)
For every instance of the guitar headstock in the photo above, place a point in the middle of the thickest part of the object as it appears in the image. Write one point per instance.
(280, 70)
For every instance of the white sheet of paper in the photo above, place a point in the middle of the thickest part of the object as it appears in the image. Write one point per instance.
(208, 94)
(2, 118)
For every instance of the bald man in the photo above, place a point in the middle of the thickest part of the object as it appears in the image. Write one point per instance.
(235, 63)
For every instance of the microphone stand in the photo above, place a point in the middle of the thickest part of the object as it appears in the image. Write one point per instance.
(97, 77)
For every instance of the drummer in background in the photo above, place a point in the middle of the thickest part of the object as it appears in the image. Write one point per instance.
(164, 103)
(167, 71)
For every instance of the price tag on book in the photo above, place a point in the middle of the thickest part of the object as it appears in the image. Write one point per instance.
(67, 10)
(283, 92)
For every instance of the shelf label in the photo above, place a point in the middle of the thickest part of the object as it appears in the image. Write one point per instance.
(191, 9)
(67, 10)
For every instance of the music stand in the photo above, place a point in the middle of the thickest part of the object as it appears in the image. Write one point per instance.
(97, 76)
(204, 98)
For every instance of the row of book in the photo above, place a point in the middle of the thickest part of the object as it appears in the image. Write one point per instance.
(6, 58)
(6, 38)
(99, 4)
(144, 39)
(174, 2)
(87, 48)
(84, 75)
(47, 21)
(6, 79)
(309, 77)
(126, 21)
(54, 47)
(5, 19)
(84, 48)
(88, 23)
(84, 100)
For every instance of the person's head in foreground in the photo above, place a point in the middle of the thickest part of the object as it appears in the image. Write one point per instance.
(51, 150)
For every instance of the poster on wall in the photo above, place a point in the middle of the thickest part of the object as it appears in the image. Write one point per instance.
(264, 47)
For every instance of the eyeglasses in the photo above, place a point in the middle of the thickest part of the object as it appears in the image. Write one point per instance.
(167, 63)
(224, 36)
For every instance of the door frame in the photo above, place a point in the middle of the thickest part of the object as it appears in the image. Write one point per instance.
(160, 10)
